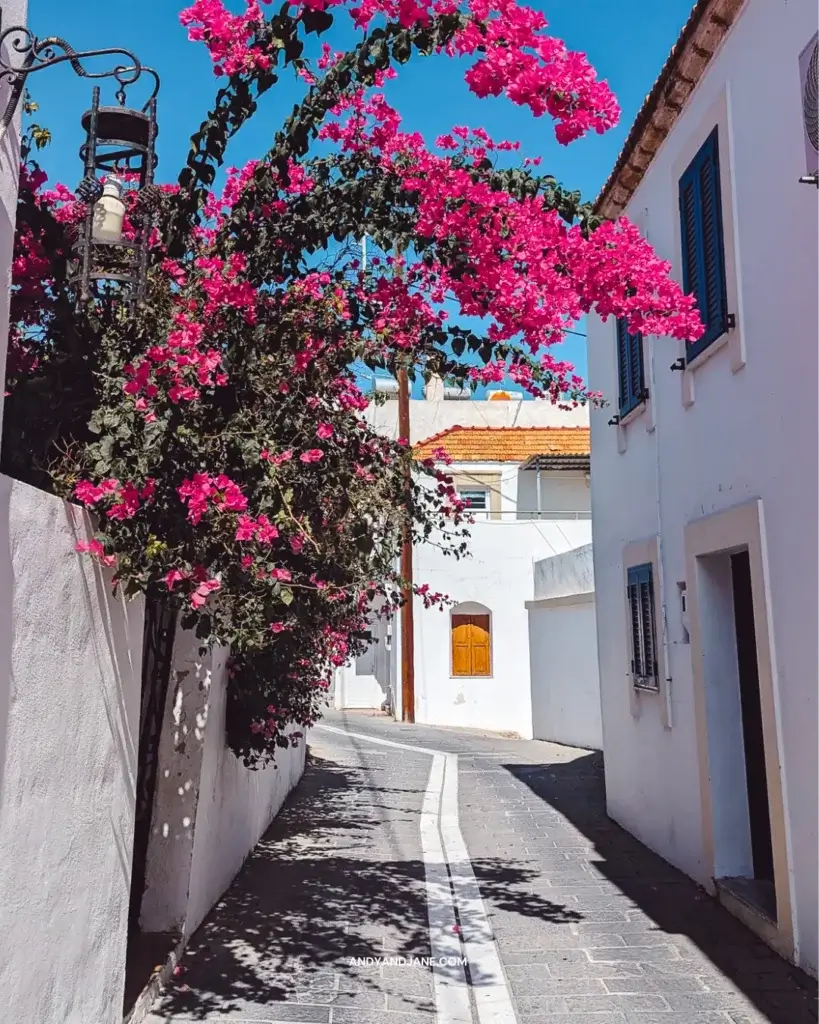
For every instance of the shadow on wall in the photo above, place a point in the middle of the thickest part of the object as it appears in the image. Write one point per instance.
(287, 928)
(676, 904)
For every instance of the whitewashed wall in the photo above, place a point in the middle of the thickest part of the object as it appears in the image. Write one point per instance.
(69, 721)
(563, 651)
(742, 425)
(499, 575)
(209, 810)
(236, 806)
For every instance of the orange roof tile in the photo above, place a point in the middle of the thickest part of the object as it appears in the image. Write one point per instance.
(506, 444)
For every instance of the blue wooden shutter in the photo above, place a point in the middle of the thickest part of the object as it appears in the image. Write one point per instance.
(623, 374)
(703, 249)
(640, 595)
(630, 369)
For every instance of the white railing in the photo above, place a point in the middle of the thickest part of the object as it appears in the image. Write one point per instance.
(527, 515)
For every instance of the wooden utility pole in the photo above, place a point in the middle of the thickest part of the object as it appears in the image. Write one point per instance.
(407, 620)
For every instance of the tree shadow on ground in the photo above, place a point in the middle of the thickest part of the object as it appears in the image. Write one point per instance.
(675, 903)
(329, 882)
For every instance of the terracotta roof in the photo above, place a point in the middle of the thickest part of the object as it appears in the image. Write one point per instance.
(506, 444)
(707, 26)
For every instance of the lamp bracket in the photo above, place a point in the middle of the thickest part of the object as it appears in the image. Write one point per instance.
(45, 53)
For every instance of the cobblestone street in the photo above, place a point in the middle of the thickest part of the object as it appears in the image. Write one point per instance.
(576, 922)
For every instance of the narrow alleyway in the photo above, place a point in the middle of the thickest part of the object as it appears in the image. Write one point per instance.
(589, 927)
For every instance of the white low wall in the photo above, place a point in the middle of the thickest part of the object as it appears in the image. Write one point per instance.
(69, 715)
(563, 651)
(236, 806)
(209, 810)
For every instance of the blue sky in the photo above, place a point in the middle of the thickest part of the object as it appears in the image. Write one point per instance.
(626, 41)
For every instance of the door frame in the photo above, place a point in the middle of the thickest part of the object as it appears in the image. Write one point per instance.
(733, 529)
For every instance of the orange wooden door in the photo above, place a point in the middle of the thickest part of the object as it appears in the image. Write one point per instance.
(471, 653)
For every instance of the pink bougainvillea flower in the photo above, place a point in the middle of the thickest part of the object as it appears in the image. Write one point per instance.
(266, 532)
(312, 455)
(324, 431)
(203, 590)
(128, 504)
(90, 494)
(283, 575)
(96, 550)
(245, 529)
(173, 577)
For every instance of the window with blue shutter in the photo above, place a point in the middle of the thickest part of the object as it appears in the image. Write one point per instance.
(703, 250)
(640, 597)
(630, 370)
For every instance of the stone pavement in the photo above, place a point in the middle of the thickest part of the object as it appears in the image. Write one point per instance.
(590, 926)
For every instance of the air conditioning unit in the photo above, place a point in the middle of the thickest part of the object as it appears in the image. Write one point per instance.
(809, 78)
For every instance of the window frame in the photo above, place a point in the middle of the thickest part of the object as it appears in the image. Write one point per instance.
(630, 356)
(695, 263)
(485, 509)
(642, 630)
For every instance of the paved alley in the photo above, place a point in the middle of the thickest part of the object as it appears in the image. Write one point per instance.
(405, 842)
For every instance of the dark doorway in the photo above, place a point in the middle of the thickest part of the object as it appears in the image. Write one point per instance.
(762, 891)
(147, 951)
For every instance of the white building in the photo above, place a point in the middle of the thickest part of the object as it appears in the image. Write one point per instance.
(528, 487)
(704, 481)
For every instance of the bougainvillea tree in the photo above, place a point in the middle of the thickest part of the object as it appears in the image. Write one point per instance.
(215, 429)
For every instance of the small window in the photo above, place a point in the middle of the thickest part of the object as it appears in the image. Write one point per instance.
(640, 596)
(471, 645)
(477, 500)
(630, 369)
(703, 249)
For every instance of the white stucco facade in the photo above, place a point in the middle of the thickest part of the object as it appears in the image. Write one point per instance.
(69, 725)
(722, 456)
(563, 651)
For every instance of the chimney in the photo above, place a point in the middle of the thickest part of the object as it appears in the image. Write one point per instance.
(434, 390)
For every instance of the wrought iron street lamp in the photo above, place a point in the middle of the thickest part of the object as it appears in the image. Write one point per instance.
(118, 156)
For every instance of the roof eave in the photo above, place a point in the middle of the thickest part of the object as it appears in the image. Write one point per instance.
(707, 26)
(561, 462)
